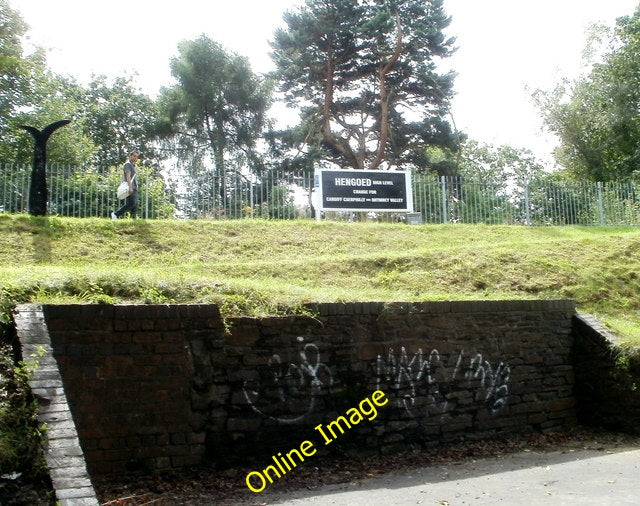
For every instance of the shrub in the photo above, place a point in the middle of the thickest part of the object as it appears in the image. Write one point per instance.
(23, 473)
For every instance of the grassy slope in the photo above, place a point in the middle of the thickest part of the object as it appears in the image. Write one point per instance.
(255, 267)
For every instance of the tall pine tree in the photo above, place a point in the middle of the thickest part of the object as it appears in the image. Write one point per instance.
(364, 75)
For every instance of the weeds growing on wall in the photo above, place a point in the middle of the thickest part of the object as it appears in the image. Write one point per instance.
(23, 473)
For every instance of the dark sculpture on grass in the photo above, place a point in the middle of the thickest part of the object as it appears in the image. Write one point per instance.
(38, 190)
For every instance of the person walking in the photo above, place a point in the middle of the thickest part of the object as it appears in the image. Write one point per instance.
(129, 175)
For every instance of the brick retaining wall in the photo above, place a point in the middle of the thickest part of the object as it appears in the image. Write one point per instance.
(159, 387)
(63, 452)
(607, 378)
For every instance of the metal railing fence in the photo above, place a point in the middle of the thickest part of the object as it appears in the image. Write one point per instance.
(82, 192)
(540, 202)
(286, 195)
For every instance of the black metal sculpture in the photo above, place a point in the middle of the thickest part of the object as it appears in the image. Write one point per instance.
(38, 190)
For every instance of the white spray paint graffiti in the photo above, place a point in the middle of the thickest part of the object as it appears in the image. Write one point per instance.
(426, 377)
(493, 384)
(421, 384)
(289, 388)
(402, 375)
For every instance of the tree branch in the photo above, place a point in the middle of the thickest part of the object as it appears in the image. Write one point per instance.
(385, 97)
(340, 146)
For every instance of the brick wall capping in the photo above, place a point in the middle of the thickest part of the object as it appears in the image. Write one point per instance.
(440, 307)
(145, 311)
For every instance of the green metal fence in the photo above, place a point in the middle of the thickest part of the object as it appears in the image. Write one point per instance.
(90, 192)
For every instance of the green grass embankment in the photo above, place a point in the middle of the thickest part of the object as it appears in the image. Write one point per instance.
(265, 267)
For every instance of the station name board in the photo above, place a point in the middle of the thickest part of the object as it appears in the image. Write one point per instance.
(370, 190)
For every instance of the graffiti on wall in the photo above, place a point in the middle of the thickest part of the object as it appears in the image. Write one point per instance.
(287, 392)
(424, 384)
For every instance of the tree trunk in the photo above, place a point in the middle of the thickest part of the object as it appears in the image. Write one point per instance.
(339, 145)
(385, 97)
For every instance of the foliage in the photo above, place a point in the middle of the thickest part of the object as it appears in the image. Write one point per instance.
(12, 67)
(364, 75)
(21, 436)
(20, 76)
(215, 114)
(278, 204)
(47, 97)
(12, 294)
(108, 120)
(556, 200)
(506, 173)
(119, 118)
(502, 165)
(596, 117)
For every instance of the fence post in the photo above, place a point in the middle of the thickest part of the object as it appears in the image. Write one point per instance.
(601, 205)
(251, 199)
(317, 185)
(443, 186)
(146, 199)
(527, 205)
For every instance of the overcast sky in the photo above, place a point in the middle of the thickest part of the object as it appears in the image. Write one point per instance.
(506, 47)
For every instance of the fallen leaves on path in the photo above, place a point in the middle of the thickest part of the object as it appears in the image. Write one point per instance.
(206, 485)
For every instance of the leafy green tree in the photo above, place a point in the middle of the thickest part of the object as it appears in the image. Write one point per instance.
(215, 115)
(49, 97)
(31, 95)
(556, 199)
(364, 76)
(118, 118)
(494, 181)
(500, 165)
(13, 76)
(108, 119)
(596, 117)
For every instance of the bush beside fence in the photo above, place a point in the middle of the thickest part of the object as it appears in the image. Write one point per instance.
(287, 195)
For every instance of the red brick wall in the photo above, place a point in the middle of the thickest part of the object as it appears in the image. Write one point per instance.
(127, 374)
(159, 387)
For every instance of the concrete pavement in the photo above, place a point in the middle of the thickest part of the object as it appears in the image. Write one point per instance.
(569, 477)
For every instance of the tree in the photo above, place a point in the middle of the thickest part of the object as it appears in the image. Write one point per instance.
(12, 68)
(14, 76)
(502, 166)
(363, 74)
(215, 114)
(596, 117)
(491, 183)
(108, 120)
(46, 98)
(32, 95)
(119, 118)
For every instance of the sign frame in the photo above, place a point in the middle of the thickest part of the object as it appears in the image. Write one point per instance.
(379, 191)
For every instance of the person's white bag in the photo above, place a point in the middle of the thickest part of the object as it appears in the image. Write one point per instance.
(123, 190)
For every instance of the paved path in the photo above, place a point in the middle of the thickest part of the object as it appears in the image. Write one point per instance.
(584, 477)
